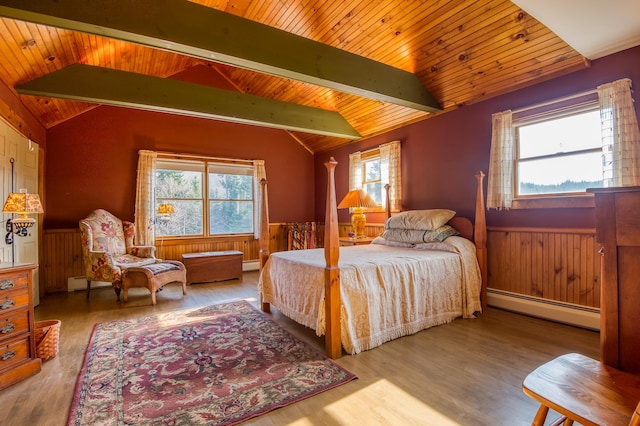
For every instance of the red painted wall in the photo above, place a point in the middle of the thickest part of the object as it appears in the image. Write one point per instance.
(91, 160)
(441, 155)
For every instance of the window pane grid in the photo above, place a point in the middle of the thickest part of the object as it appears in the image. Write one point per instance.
(372, 178)
(230, 198)
(559, 153)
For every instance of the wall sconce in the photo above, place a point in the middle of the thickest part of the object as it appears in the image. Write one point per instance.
(21, 204)
(357, 199)
(164, 211)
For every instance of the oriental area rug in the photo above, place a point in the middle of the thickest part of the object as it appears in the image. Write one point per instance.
(218, 365)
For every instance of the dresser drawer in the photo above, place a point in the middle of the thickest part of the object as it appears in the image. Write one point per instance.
(18, 358)
(11, 300)
(14, 352)
(13, 323)
(13, 281)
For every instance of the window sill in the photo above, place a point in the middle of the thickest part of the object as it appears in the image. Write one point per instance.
(559, 202)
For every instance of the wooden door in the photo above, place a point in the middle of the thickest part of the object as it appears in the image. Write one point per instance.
(25, 176)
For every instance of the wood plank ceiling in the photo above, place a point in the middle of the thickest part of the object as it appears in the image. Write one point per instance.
(463, 51)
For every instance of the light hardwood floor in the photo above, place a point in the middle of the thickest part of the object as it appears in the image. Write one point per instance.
(468, 372)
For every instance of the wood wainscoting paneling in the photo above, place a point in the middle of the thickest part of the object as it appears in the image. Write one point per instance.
(61, 259)
(62, 252)
(557, 264)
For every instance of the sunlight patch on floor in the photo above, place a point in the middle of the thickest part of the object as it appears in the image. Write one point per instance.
(168, 319)
(385, 403)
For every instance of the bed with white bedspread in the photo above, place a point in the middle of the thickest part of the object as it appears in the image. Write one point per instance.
(387, 292)
(427, 268)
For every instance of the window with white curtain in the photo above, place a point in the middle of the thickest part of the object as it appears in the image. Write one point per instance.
(371, 170)
(562, 147)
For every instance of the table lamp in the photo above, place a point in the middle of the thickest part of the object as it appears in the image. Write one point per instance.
(358, 199)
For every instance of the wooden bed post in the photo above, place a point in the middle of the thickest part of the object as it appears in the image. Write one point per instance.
(332, 302)
(387, 197)
(480, 238)
(264, 233)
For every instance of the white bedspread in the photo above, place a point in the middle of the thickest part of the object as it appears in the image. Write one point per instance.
(386, 292)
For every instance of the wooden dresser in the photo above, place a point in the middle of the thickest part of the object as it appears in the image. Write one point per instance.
(17, 340)
(618, 231)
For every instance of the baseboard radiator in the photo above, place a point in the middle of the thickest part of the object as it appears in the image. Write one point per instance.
(80, 283)
(567, 313)
(250, 265)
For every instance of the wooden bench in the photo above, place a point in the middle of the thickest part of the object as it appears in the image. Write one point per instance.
(213, 266)
(584, 390)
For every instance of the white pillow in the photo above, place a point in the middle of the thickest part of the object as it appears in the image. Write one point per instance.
(417, 236)
(420, 219)
(444, 246)
(390, 243)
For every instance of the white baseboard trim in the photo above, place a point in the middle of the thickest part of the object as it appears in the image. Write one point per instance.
(567, 313)
(251, 265)
(80, 283)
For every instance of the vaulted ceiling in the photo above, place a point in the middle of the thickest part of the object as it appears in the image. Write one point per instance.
(461, 51)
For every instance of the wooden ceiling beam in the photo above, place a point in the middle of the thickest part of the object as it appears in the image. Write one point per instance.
(121, 88)
(195, 30)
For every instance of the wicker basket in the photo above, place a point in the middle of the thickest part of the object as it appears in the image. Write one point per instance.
(47, 335)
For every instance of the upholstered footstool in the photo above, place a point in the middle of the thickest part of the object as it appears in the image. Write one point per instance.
(154, 277)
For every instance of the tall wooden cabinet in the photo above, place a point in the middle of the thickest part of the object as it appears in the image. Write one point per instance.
(18, 358)
(618, 231)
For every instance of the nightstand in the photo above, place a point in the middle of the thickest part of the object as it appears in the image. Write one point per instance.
(347, 241)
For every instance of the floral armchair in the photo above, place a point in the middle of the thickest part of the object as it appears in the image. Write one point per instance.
(108, 249)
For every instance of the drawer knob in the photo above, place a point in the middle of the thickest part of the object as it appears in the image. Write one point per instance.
(7, 304)
(7, 328)
(8, 355)
(6, 285)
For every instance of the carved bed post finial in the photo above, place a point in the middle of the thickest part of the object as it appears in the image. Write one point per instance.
(387, 197)
(480, 237)
(332, 301)
(264, 232)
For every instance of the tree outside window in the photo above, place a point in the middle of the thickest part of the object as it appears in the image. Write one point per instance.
(230, 203)
(559, 153)
(372, 179)
(227, 192)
